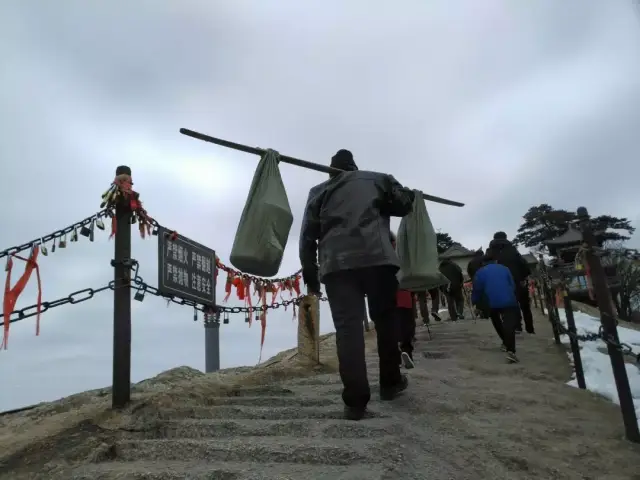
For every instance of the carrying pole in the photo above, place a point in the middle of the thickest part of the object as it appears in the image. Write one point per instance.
(295, 161)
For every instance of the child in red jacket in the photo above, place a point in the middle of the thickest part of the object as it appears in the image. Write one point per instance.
(405, 321)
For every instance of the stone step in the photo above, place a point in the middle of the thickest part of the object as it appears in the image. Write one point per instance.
(253, 413)
(205, 470)
(233, 412)
(191, 428)
(269, 401)
(314, 451)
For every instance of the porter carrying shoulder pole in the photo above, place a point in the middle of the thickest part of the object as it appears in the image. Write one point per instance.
(294, 161)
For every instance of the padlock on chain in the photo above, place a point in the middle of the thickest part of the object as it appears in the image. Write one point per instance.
(99, 223)
(43, 248)
(85, 231)
(62, 242)
(139, 295)
(74, 235)
(225, 318)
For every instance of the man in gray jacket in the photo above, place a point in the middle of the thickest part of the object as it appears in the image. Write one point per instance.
(347, 224)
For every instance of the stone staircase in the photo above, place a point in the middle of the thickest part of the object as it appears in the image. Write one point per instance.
(293, 430)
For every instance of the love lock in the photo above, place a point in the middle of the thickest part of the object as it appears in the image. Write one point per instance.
(139, 295)
(85, 231)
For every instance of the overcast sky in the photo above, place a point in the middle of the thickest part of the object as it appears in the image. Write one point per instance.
(495, 103)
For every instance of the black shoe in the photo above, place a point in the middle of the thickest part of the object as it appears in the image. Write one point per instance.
(511, 357)
(354, 413)
(461, 316)
(531, 331)
(389, 393)
(436, 317)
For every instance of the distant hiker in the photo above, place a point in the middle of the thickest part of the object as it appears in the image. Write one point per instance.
(474, 265)
(421, 302)
(406, 322)
(434, 293)
(455, 297)
(507, 254)
(347, 224)
(495, 283)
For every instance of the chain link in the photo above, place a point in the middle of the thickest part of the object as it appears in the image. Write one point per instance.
(55, 235)
(145, 288)
(73, 299)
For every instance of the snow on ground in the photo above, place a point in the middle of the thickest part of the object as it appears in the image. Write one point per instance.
(596, 364)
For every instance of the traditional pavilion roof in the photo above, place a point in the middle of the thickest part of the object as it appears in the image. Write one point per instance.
(457, 251)
(530, 258)
(570, 236)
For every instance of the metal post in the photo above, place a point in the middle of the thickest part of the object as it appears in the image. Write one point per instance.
(121, 390)
(548, 300)
(212, 342)
(610, 331)
(575, 346)
(538, 291)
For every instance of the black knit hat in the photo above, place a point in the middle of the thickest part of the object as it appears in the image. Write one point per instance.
(499, 236)
(343, 160)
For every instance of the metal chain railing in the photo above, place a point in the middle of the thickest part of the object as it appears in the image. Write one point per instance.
(83, 226)
(74, 298)
(624, 348)
(141, 288)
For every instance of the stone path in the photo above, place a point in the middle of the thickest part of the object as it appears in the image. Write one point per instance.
(467, 415)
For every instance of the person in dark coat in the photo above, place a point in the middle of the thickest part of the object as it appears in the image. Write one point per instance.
(474, 265)
(345, 244)
(507, 254)
(455, 297)
(495, 282)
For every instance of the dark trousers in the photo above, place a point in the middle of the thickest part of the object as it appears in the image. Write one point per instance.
(455, 302)
(522, 294)
(346, 291)
(422, 303)
(505, 321)
(434, 293)
(406, 325)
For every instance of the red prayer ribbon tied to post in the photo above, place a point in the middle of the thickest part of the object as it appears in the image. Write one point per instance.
(11, 294)
(122, 185)
(243, 284)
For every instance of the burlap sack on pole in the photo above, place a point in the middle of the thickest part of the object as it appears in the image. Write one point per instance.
(265, 223)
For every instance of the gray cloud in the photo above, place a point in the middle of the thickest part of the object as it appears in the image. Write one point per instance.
(501, 106)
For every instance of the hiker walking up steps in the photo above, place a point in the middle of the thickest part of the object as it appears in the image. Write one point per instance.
(495, 283)
(345, 244)
(406, 322)
(508, 255)
(455, 297)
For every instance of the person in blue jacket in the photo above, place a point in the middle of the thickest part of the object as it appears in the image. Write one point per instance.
(496, 284)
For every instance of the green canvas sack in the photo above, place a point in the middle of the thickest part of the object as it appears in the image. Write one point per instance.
(417, 248)
(265, 223)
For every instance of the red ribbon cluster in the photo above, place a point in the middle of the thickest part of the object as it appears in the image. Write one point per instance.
(123, 185)
(11, 294)
(246, 286)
